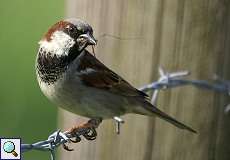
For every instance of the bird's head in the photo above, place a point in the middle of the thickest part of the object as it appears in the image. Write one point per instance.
(67, 34)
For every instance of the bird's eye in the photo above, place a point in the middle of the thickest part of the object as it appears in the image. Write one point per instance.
(70, 29)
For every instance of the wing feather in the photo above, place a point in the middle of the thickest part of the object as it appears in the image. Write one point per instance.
(95, 74)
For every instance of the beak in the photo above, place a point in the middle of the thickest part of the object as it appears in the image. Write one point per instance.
(89, 39)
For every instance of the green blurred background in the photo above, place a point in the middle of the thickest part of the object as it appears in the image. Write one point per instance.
(25, 112)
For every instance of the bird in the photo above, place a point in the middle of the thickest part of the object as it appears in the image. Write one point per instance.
(71, 77)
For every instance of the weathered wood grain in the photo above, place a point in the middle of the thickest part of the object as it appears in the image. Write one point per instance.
(135, 37)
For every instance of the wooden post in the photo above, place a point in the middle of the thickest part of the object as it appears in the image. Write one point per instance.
(135, 37)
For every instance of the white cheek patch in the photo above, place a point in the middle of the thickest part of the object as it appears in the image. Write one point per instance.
(59, 44)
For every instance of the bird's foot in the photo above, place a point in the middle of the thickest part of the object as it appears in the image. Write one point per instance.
(87, 130)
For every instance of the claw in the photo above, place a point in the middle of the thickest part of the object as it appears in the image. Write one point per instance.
(76, 140)
(91, 134)
(66, 147)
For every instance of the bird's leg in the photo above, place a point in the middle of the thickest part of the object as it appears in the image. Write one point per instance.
(92, 123)
(88, 130)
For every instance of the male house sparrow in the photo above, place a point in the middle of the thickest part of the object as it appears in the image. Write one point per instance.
(74, 79)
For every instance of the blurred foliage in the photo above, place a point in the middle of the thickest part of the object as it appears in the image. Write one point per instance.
(25, 112)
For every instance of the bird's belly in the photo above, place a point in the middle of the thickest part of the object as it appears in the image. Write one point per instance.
(85, 101)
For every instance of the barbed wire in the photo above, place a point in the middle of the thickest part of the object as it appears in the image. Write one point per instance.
(165, 81)
(61, 138)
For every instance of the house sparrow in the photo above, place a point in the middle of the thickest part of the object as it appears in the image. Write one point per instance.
(71, 77)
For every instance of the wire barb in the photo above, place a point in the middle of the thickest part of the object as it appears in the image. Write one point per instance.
(164, 82)
(118, 121)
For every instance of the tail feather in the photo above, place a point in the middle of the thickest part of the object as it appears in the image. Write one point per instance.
(162, 115)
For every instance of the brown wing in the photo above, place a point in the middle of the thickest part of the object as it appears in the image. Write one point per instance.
(95, 74)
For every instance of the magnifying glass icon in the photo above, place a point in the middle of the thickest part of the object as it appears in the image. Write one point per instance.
(9, 147)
